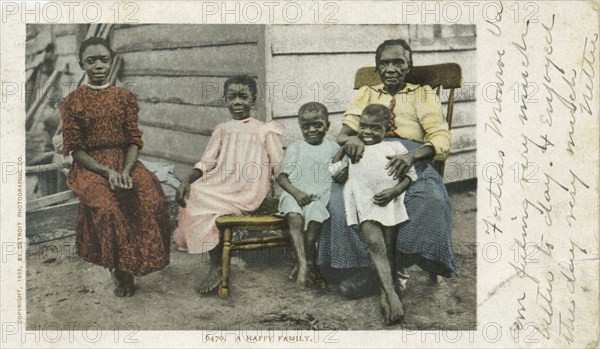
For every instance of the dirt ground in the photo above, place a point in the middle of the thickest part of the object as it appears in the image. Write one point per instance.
(64, 290)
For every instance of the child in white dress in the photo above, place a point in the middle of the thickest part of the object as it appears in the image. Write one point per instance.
(375, 200)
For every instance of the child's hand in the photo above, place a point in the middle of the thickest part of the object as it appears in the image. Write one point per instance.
(183, 192)
(304, 199)
(340, 176)
(385, 197)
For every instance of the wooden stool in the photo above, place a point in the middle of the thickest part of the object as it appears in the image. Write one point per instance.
(230, 223)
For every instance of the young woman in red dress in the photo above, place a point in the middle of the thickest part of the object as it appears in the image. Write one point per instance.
(123, 221)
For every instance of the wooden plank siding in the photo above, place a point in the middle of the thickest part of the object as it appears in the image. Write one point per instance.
(183, 117)
(194, 61)
(328, 78)
(66, 39)
(318, 63)
(196, 90)
(175, 145)
(177, 73)
(161, 36)
(337, 39)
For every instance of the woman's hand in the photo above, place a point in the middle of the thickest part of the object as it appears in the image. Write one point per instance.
(399, 164)
(354, 148)
(115, 180)
(183, 192)
(127, 180)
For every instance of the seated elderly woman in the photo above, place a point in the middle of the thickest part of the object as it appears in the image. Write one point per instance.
(418, 122)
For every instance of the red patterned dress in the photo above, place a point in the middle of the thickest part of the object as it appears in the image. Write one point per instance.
(124, 229)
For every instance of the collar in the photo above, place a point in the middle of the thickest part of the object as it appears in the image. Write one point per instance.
(246, 120)
(94, 87)
(408, 87)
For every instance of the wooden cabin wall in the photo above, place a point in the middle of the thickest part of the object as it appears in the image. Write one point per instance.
(177, 73)
(43, 116)
(318, 63)
(66, 39)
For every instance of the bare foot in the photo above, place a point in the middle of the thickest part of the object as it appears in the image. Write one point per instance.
(293, 273)
(210, 282)
(124, 286)
(396, 309)
(301, 277)
(314, 276)
(392, 308)
(384, 306)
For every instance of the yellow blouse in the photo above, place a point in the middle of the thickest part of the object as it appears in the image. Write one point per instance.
(418, 111)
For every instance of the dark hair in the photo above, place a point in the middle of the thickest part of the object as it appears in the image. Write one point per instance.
(380, 111)
(400, 42)
(242, 80)
(316, 107)
(94, 40)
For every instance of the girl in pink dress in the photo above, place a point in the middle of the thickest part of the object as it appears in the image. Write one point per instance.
(232, 177)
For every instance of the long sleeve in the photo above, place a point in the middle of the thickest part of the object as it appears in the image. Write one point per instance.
(131, 127)
(71, 130)
(208, 161)
(431, 117)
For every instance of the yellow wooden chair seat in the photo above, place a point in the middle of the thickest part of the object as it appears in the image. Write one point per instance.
(237, 234)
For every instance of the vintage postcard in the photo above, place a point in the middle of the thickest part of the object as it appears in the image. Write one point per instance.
(336, 174)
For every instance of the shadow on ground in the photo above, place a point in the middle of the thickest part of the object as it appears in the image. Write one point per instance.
(64, 291)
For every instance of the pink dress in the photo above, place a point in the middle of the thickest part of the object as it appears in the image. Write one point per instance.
(238, 165)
